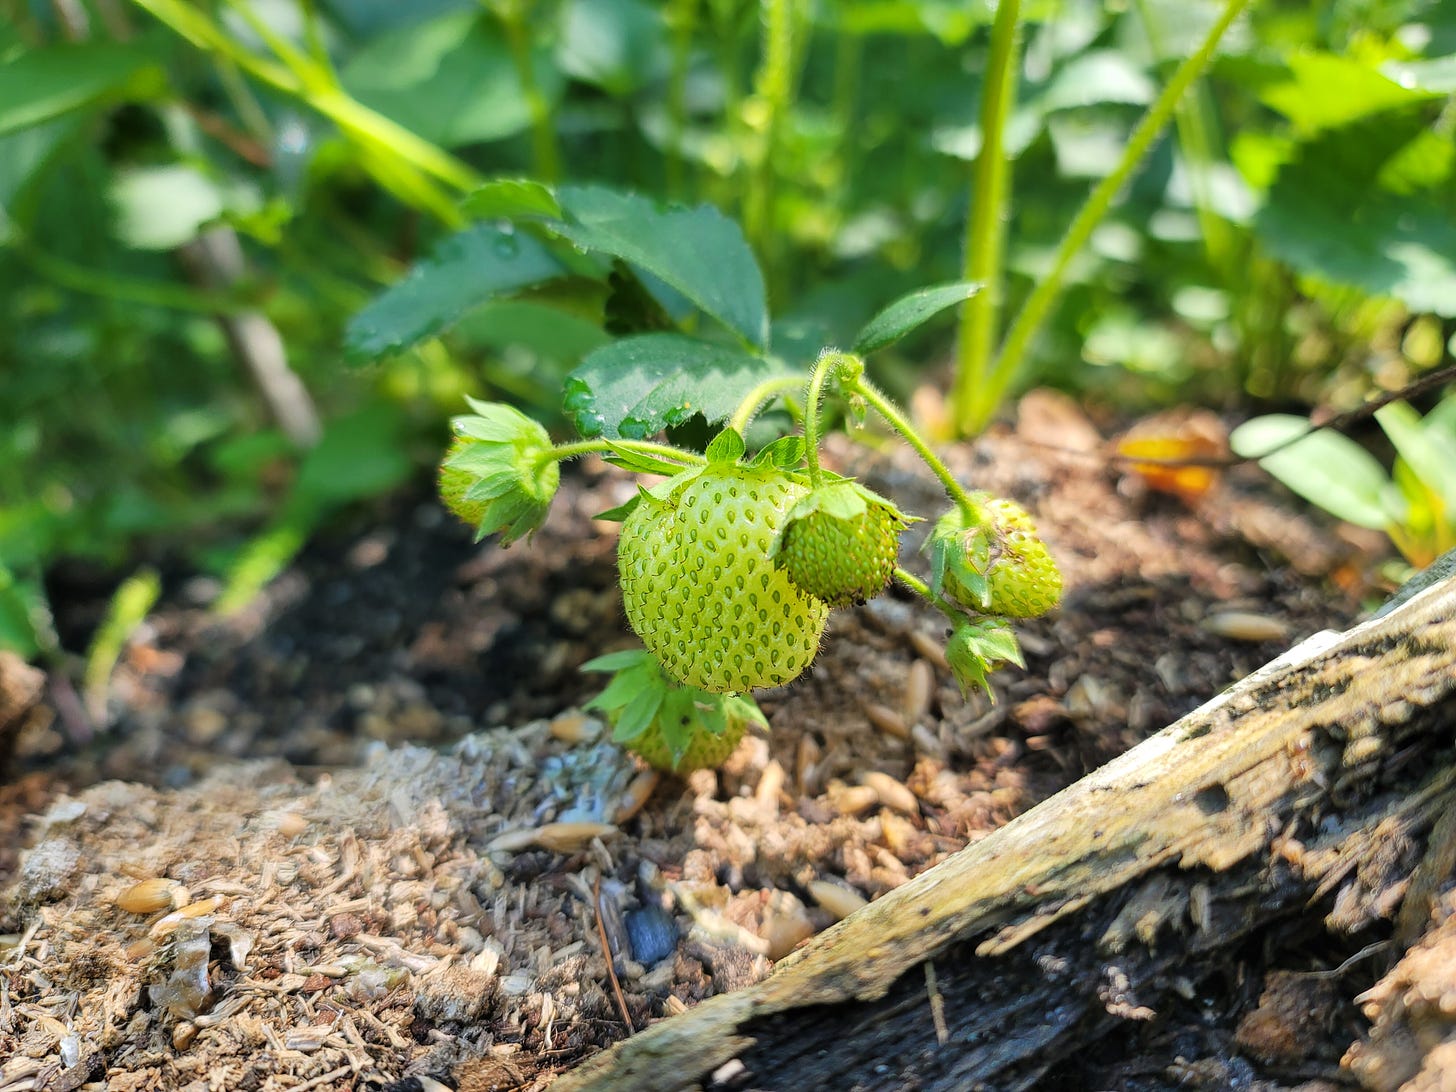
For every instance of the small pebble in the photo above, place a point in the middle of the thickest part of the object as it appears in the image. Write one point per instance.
(651, 934)
(840, 901)
(891, 793)
(1238, 625)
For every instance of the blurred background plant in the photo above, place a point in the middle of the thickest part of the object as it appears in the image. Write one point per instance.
(197, 197)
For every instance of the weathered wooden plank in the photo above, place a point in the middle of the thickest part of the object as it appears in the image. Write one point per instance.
(1317, 778)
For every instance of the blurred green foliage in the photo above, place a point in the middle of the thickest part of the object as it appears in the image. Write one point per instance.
(1292, 238)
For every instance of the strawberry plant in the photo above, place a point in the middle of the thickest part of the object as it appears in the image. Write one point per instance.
(729, 562)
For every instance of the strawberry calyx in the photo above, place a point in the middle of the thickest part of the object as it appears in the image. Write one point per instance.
(497, 474)
(986, 555)
(976, 647)
(840, 543)
(674, 727)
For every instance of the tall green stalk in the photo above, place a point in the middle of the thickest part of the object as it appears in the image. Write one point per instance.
(683, 18)
(982, 399)
(515, 17)
(986, 221)
(773, 92)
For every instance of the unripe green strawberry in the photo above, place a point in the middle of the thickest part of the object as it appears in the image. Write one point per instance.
(841, 543)
(454, 482)
(699, 584)
(991, 560)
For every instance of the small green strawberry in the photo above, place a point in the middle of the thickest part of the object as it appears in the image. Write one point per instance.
(841, 543)
(673, 727)
(497, 474)
(698, 580)
(989, 558)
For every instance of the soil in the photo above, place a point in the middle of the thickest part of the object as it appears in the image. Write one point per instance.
(363, 830)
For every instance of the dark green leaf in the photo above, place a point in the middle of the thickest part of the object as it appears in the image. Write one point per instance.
(466, 269)
(638, 386)
(698, 252)
(618, 45)
(511, 199)
(909, 311)
(359, 456)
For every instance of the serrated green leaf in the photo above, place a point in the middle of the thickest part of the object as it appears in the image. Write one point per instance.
(465, 270)
(39, 85)
(726, 447)
(909, 311)
(511, 199)
(1332, 213)
(698, 252)
(638, 386)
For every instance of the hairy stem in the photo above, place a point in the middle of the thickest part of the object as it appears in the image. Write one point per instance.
(760, 396)
(901, 424)
(922, 589)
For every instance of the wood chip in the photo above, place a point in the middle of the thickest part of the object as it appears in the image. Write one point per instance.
(891, 793)
(887, 720)
(840, 901)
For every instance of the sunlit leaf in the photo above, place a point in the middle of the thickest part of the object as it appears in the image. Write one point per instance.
(910, 311)
(640, 385)
(465, 270)
(698, 252)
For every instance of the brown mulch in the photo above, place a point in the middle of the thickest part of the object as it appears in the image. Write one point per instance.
(378, 836)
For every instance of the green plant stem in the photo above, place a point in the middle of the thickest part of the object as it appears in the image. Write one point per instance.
(774, 90)
(827, 364)
(985, 398)
(562, 452)
(986, 219)
(922, 589)
(901, 424)
(516, 19)
(1195, 124)
(683, 15)
(758, 397)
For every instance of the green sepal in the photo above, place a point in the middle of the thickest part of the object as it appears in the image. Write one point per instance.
(507, 453)
(620, 513)
(976, 648)
(642, 463)
(726, 447)
(641, 696)
(785, 453)
(963, 552)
